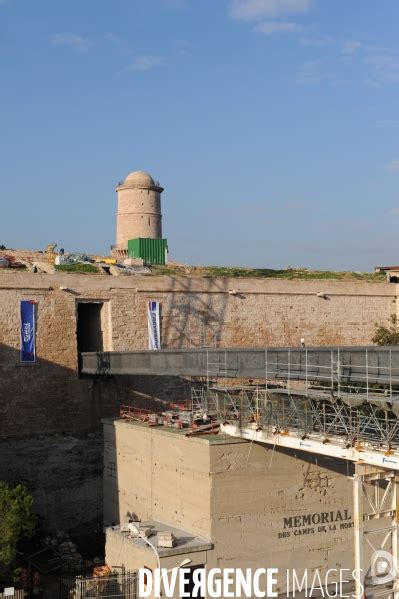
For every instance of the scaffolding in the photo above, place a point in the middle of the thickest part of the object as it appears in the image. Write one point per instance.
(335, 396)
(337, 409)
(375, 493)
(115, 585)
(363, 372)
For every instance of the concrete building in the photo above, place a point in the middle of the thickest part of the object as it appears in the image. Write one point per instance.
(139, 209)
(230, 503)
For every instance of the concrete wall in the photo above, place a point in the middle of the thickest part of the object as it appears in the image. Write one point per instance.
(254, 489)
(156, 474)
(248, 500)
(49, 399)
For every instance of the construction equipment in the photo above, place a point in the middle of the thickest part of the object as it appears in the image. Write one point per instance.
(106, 260)
(50, 252)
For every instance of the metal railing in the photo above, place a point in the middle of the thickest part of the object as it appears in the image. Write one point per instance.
(114, 586)
(329, 366)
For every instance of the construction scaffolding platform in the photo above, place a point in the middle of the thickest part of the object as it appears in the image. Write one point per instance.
(359, 429)
(337, 401)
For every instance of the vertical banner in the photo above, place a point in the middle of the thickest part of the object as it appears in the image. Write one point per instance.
(154, 334)
(28, 331)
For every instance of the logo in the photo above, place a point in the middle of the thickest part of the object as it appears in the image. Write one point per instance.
(26, 332)
(383, 567)
(386, 461)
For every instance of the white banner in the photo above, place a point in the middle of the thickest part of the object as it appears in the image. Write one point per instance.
(154, 333)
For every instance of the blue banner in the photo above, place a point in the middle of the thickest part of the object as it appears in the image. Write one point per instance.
(28, 331)
(154, 333)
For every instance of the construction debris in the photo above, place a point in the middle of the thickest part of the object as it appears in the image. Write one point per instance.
(145, 531)
(101, 571)
(171, 418)
(133, 262)
(166, 539)
(212, 428)
(183, 417)
(66, 549)
(73, 259)
(105, 260)
(39, 261)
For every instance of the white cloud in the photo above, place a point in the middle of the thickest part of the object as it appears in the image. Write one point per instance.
(393, 165)
(69, 39)
(381, 62)
(315, 71)
(145, 62)
(249, 10)
(393, 212)
(317, 40)
(373, 65)
(173, 3)
(388, 122)
(270, 27)
(117, 42)
(384, 67)
(351, 47)
(111, 37)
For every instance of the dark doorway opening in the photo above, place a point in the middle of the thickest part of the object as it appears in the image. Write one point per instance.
(89, 331)
(189, 586)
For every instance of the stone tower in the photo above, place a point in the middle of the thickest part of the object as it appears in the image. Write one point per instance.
(139, 209)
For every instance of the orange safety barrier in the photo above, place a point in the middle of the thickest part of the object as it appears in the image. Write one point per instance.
(184, 406)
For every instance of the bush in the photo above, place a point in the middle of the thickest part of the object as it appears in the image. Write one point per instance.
(78, 267)
(17, 520)
(387, 335)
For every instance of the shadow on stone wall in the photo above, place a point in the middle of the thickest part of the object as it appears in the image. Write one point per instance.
(195, 319)
(343, 467)
(51, 437)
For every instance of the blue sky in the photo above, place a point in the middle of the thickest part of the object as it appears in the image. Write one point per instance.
(272, 124)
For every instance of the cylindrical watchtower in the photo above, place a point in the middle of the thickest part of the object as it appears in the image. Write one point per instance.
(139, 209)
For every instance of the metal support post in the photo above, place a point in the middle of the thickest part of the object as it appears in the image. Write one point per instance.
(375, 532)
(358, 533)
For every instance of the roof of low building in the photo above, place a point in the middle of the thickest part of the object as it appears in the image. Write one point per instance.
(185, 542)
